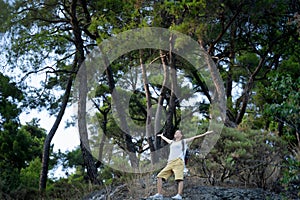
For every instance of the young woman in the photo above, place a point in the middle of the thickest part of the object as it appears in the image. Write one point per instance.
(175, 162)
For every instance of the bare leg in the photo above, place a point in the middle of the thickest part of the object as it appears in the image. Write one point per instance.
(159, 185)
(180, 187)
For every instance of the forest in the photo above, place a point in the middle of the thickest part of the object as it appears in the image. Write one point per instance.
(133, 69)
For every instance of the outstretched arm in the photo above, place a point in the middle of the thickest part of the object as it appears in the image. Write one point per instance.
(198, 136)
(164, 138)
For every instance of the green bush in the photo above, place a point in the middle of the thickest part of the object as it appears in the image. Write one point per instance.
(249, 157)
(29, 176)
(291, 173)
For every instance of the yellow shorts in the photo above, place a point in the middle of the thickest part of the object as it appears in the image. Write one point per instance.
(175, 166)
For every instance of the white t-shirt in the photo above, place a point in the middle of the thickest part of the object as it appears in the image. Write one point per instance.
(176, 150)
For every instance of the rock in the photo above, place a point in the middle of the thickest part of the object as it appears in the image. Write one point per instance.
(216, 193)
(222, 193)
(96, 195)
(192, 191)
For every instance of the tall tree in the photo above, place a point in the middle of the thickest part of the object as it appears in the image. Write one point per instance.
(52, 33)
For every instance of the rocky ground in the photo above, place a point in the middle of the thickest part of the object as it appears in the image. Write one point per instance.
(192, 191)
(209, 193)
(221, 193)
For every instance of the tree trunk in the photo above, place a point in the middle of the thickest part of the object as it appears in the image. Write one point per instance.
(83, 133)
(162, 97)
(105, 113)
(149, 127)
(218, 95)
(172, 105)
(103, 139)
(130, 147)
(47, 143)
(88, 158)
(247, 91)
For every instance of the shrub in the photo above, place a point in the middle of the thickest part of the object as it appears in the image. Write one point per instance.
(250, 157)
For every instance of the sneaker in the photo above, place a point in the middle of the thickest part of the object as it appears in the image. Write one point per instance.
(157, 196)
(177, 196)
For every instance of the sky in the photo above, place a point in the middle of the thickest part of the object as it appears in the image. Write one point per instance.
(65, 139)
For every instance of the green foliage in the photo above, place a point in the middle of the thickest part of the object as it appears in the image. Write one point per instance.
(252, 157)
(22, 145)
(9, 177)
(29, 176)
(291, 172)
(20, 148)
(68, 189)
(68, 161)
(10, 96)
(116, 16)
(285, 107)
(5, 10)
(245, 61)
